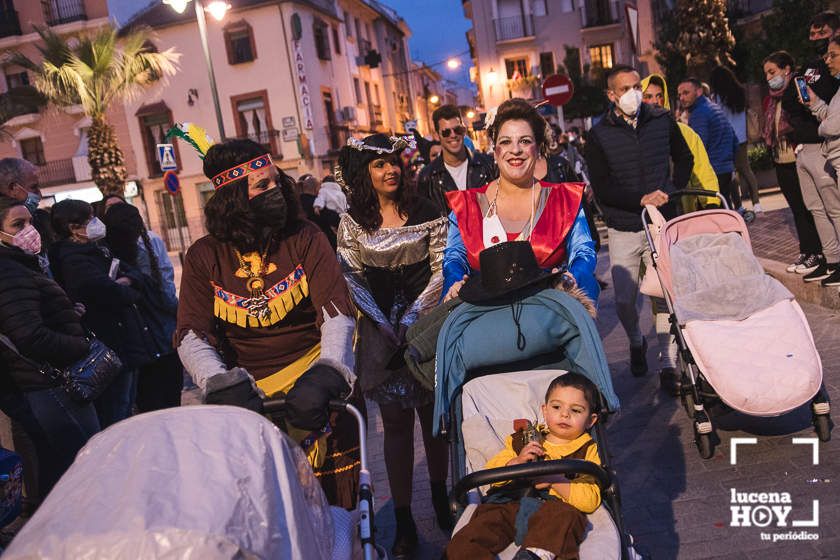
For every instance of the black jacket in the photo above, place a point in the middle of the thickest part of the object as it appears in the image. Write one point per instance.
(803, 123)
(114, 312)
(820, 80)
(626, 163)
(434, 179)
(39, 319)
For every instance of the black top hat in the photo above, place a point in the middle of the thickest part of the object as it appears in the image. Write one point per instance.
(506, 269)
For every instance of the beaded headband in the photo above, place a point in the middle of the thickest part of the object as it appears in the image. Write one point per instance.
(241, 170)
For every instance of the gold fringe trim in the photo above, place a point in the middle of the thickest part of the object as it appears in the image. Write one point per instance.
(280, 306)
(341, 453)
(338, 470)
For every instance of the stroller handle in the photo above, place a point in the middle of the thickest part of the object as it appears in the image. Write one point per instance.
(277, 405)
(698, 192)
(528, 470)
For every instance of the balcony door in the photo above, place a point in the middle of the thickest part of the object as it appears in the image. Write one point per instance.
(253, 119)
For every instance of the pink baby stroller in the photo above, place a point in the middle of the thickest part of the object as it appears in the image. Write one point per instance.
(743, 340)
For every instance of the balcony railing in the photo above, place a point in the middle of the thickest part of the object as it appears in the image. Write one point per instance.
(56, 173)
(364, 47)
(375, 115)
(338, 136)
(597, 13)
(743, 8)
(9, 22)
(57, 12)
(514, 27)
(266, 138)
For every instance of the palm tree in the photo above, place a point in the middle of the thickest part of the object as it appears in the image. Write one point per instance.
(96, 71)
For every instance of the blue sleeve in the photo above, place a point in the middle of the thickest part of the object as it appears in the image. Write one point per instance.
(581, 257)
(455, 263)
(699, 122)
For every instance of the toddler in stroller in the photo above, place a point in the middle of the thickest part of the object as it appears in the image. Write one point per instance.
(548, 510)
(513, 337)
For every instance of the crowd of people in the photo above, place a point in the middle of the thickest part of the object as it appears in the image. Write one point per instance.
(309, 289)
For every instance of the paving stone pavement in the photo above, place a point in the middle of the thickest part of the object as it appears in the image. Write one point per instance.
(676, 505)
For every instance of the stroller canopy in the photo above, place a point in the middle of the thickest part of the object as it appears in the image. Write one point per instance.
(198, 482)
(476, 337)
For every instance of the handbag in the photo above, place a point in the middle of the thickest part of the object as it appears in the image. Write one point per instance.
(86, 379)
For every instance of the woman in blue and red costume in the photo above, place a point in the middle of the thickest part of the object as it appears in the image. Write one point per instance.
(517, 206)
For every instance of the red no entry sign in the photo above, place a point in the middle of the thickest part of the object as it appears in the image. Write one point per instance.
(558, 89)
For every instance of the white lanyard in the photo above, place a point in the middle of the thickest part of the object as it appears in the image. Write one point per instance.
(493, 232)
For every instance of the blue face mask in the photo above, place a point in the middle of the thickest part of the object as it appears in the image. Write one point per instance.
(32, 201)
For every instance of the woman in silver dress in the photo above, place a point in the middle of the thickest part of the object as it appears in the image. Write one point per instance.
(390, 246)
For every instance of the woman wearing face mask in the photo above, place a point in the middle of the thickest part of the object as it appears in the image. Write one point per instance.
(159, 383)
(390, 246)
(517, 206)
(38, 318)
(110, 291)
(264, 305)
(778, 70)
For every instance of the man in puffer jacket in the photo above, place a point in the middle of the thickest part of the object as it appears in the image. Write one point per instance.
(630, 154)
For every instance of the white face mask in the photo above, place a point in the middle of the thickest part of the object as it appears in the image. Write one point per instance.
(630, 101)
(95, 230)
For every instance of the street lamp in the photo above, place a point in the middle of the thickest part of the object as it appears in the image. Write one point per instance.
(434, 100)
(470, 115)
(453, 63)
(217, 9)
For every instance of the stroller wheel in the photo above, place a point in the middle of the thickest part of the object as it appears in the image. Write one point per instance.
(704, 445)
(822, 425)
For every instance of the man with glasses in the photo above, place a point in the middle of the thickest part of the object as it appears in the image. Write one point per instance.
(19, 180)
(629, 155)
(457, 167)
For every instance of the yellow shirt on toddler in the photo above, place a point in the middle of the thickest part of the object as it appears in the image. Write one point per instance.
(584, 494)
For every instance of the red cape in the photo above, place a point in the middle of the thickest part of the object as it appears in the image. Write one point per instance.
(548, 237)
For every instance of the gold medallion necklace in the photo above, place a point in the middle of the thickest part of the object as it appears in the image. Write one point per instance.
(257, 304)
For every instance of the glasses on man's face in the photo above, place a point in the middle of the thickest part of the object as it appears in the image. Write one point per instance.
(458, 130)
(829, 56)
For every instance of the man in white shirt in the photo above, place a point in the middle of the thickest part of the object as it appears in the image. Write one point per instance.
(457, 167)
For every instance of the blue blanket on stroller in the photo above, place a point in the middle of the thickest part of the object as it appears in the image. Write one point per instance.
(481, 336)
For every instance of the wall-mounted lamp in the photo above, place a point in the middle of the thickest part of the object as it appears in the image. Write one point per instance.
(192, 95)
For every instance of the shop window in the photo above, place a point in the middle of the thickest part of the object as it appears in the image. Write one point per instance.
(516, 68)
(602, 56)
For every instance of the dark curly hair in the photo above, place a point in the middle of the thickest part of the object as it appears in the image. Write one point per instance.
(519, 109)
(362, 200)
(228, 215)
(69, 212)
(125, 227)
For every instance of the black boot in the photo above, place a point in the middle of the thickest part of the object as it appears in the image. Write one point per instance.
(405, 543)
(440, 501)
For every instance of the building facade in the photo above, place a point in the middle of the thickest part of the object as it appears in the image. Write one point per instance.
(299, 77)
(54, 139)
(515, 44)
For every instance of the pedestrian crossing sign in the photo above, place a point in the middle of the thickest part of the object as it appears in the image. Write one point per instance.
(166, 157)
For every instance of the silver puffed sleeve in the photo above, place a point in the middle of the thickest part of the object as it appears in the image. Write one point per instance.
(351, 264)
(430, 295)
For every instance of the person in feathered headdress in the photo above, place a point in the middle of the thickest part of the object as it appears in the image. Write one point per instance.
(264, 310)
(390, 245)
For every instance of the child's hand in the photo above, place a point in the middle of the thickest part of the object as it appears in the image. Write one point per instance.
(531, 452)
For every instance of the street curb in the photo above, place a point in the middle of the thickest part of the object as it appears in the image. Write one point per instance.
(808, 292)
